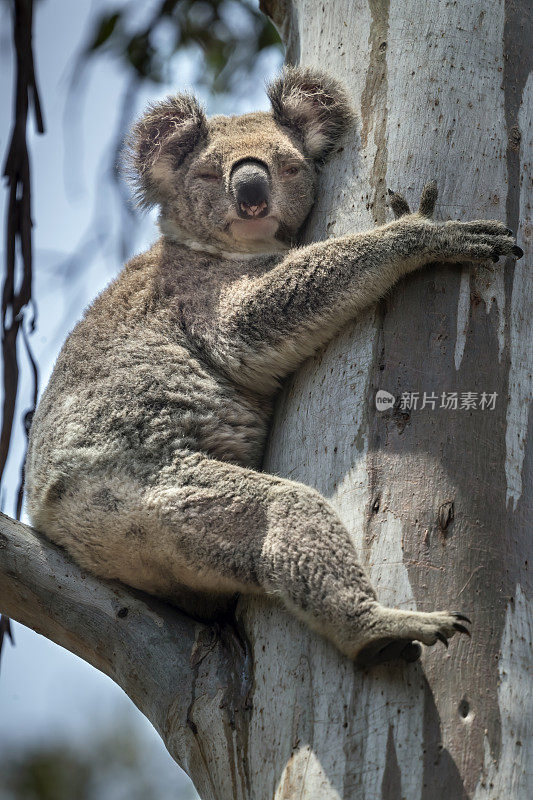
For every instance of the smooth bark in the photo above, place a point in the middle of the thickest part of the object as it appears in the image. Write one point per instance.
(439, 501)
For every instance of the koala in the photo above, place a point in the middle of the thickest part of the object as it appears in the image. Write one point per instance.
(145, 451)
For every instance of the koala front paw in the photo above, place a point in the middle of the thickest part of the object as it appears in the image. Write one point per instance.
(454, 241)
(481, 240)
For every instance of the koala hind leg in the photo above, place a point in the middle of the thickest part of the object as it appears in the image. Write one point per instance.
(282, 538)
(218, 527)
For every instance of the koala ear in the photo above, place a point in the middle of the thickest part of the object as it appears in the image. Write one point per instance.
(159, 142)
(313, 105)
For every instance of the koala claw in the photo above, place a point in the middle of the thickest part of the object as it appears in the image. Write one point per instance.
(517, 251)
(457, 615)
(448, 630)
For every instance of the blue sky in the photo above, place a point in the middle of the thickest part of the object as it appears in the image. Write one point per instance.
(46, 692)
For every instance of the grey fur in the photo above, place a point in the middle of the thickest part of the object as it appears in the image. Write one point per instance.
(145, 447)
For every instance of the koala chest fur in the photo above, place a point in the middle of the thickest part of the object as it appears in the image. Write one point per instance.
(135, 385)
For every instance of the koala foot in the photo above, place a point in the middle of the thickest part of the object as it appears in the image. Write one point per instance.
(393, 634)
(384, 650)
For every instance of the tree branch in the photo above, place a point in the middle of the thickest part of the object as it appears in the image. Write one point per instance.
(190, 679)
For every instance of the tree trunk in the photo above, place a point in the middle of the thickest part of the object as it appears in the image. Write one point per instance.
(436, 498)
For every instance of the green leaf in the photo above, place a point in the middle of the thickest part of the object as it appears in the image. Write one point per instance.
(104, 29)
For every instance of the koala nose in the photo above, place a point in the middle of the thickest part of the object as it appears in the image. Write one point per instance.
(251, 189)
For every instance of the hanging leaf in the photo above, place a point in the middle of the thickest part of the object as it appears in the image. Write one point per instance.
(104, 30)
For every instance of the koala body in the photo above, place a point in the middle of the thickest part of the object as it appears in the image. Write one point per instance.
(146, 447)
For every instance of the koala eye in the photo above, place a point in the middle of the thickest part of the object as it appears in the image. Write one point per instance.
(288, 171)
(209, 176)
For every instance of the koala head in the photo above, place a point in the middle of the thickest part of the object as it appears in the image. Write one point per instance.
(242, 183)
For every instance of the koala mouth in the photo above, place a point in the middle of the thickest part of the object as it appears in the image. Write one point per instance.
(254, 211)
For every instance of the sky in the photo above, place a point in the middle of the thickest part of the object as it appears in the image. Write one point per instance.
(45, 691)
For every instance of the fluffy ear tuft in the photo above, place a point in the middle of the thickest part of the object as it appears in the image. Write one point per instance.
(313, 105)
(159, 141)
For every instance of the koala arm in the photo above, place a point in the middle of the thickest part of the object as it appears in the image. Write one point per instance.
(270, 324)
